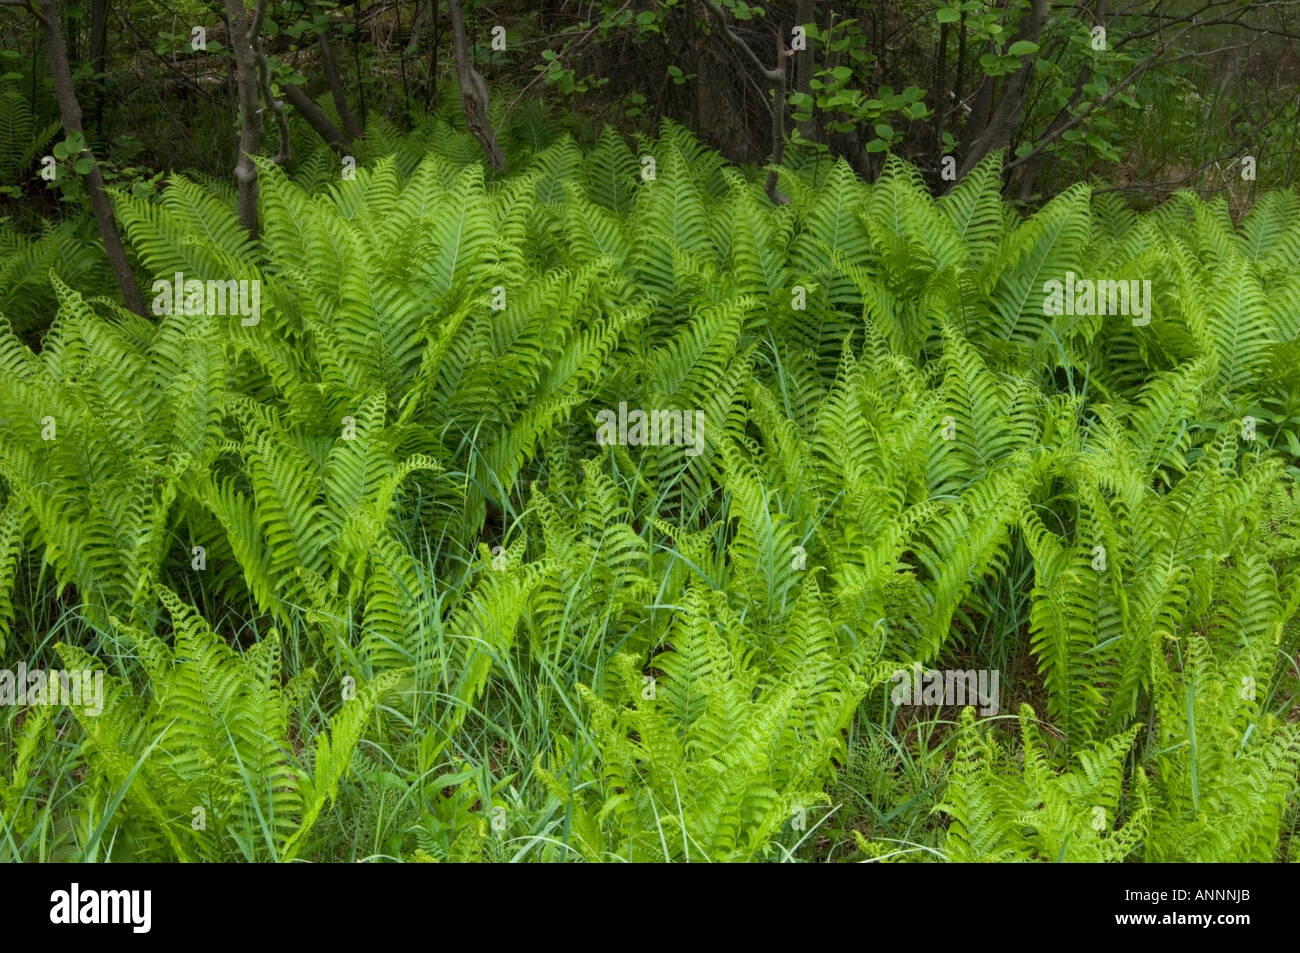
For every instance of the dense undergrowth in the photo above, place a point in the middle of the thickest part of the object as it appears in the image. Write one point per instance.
(367, 583)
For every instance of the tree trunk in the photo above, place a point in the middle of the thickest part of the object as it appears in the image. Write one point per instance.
(282, 153)
(98, 44)
(70, 113)
(940, 92)
(422, 16)
(435, 37)
(250, 115)
(1027, 174)
(356, 58)
(473, 91)
(1006, 116)
(330, 65)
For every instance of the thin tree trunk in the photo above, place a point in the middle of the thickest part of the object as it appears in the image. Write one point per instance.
(959, 88)
(417, 27)
(435, 38)
(282, 153)
(70, 113)
(70, 49)
(98, 45)
(401, 61)
(1027, 174)
(473, 91)
(693, 55)
(356, 58)
(1006, 116)
(250, 115)
(331, 67)
(940, 93)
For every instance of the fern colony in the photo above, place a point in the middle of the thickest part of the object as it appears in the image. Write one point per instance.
(367, 580)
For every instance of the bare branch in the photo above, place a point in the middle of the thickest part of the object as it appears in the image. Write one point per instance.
(316, 118)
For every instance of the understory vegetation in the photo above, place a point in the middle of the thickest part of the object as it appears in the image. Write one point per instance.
(368, 580)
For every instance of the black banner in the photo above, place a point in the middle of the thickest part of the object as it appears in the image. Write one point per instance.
(336, 903)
